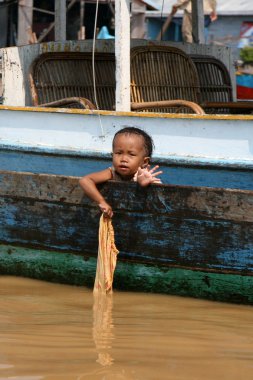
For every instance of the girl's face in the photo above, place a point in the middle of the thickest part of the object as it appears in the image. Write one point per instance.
(129, 154)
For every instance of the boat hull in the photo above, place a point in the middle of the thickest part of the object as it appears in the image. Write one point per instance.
(73, 269)
(184, 240)
(78, 165)
(217, 140)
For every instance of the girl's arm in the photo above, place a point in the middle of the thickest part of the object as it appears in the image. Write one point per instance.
(89, 185)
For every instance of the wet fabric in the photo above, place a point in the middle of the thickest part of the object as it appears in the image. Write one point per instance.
(107, 256)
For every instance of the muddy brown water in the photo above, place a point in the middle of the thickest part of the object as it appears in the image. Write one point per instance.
(51, 331)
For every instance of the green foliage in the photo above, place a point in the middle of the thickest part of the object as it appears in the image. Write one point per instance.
(246, 54)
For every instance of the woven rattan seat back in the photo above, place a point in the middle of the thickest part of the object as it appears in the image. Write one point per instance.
(215, 81)
(55, 76)
(163, 73)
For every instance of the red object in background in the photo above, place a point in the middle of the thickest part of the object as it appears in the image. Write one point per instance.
(246, 29)
(244, 86)
(244, 92)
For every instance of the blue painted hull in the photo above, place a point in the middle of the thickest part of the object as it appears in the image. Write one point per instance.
(190, 236)
(195, 227)
(76, 165)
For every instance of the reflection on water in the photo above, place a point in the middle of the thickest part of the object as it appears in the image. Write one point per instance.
(103, 326)
(50, 331)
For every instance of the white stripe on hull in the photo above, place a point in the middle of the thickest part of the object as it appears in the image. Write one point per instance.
(216, 139)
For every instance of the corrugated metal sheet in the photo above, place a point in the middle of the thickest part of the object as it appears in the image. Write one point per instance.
(224, 7)
(151, 4)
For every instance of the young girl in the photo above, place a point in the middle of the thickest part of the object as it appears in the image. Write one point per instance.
(132, 150)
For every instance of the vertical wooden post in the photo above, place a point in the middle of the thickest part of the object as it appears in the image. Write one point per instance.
(122, 53)
(198, 22)
(25, 20)
(82, 4)
(81, 32)
(60, 20)
(3, 26)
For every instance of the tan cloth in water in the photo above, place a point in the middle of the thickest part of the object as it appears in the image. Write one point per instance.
(107, 256)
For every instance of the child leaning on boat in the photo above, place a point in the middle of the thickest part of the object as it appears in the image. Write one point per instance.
(131, 152)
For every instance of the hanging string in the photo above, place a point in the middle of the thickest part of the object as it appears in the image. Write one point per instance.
(161, 23)
(93, 68)
(93, 55)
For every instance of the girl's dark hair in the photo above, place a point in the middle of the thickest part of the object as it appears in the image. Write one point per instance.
(148, 141)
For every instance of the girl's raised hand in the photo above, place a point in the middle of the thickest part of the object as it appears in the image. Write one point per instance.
(147, 176)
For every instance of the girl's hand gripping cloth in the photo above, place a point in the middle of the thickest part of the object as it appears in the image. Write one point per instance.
(107, 256)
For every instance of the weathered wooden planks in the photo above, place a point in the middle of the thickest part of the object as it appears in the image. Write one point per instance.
(189, 227)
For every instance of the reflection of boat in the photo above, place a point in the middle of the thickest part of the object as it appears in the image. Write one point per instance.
(186, 240)
(244, 85)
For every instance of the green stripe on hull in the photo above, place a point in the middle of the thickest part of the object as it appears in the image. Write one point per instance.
(78, 270)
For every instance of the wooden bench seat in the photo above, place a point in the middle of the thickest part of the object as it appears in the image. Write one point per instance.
(164, 77)
(65, 79)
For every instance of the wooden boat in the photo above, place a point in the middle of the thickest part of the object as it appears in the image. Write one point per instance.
(192, 236)
(184, 240)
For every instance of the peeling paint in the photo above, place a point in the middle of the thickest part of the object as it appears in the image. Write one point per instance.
(169, 237)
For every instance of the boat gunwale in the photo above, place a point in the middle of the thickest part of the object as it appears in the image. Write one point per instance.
(183, 202)
(130, 114)
(123, 184)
